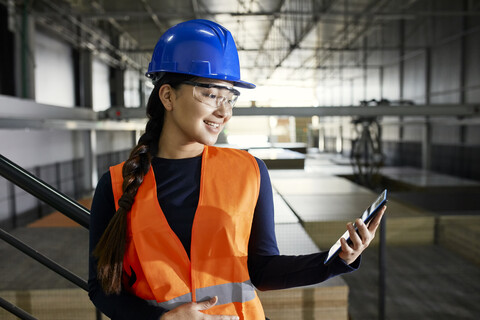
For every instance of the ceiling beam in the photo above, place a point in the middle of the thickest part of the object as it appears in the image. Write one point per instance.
(153, 16)
(304, 48)
(92, 32)
(336, 15)
(448, 110)
(292, 46)
(415, 110)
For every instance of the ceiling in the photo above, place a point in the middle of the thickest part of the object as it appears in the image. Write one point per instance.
(279, 41)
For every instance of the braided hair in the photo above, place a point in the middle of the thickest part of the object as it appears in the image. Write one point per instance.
(111, 246)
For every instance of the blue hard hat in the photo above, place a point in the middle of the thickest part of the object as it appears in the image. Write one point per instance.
(200, 48)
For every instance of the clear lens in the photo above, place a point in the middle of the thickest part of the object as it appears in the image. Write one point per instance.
(214, 96)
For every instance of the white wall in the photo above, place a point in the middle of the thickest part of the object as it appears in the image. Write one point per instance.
(29, 148)
(54, 74)
(100, 85)
(131, 88)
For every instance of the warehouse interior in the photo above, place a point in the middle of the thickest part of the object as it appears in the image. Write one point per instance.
(352, 97)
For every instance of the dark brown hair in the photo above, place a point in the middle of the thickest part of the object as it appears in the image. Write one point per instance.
(111, 246)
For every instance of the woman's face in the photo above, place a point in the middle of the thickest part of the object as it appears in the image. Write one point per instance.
(198, 113)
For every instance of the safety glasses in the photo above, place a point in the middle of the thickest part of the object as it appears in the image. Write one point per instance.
(214, 95)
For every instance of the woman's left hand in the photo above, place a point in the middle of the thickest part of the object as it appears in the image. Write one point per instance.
(360, 240)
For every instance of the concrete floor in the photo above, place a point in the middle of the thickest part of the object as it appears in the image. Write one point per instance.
(422, 282)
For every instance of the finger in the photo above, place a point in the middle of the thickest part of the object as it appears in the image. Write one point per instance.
(223, 318)
(204, 305)
(219, 317)
(373, 225)
(345, 247)
(365, 234)
(354, 237)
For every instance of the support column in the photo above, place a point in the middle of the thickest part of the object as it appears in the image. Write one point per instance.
(427, 145)
(24, 54)
(365, 70)
(381, 80)
(117, 87)
(7, 52)
(84, 81)
(401, 72)
(117, 79)
(339, 140)
(428, 74)
(463, 68)
(141, 90)
(427, 128)
(84, 99)
(89, 164)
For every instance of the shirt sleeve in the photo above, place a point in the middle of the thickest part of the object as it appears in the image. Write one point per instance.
(125, 305)
(268, 269)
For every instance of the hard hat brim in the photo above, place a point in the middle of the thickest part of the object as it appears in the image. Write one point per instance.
(244, 84)
(236, 83)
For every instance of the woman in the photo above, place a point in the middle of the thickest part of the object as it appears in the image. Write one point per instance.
(184, 230)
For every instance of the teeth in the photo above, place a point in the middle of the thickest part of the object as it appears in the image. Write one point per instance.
(212, 124)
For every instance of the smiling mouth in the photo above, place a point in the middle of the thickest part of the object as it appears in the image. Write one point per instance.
(212, 124)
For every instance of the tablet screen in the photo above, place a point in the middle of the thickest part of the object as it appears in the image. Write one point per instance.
(366, 216)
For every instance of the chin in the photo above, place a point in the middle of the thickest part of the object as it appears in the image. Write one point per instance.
(210, 142)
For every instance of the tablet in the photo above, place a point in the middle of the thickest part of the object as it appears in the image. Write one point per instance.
(367, 215)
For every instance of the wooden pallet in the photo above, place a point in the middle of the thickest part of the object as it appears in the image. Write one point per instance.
(400, 231)
(329, 301)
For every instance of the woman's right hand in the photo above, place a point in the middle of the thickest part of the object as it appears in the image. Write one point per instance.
(191, 311)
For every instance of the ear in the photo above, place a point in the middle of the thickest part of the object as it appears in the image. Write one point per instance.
(167, 96)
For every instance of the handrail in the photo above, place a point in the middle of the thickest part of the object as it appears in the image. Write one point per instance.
(44, 192)
(19, 312)
(52, 265)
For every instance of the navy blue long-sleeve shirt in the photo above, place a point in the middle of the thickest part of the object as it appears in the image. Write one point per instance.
(178, 185)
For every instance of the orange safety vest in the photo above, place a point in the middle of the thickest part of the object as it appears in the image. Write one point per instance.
(156, 265)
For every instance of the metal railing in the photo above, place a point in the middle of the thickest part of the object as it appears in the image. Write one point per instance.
(44, 192)
(57, 200)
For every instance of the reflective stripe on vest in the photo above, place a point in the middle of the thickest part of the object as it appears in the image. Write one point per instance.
(156, 264)
(226, 293)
